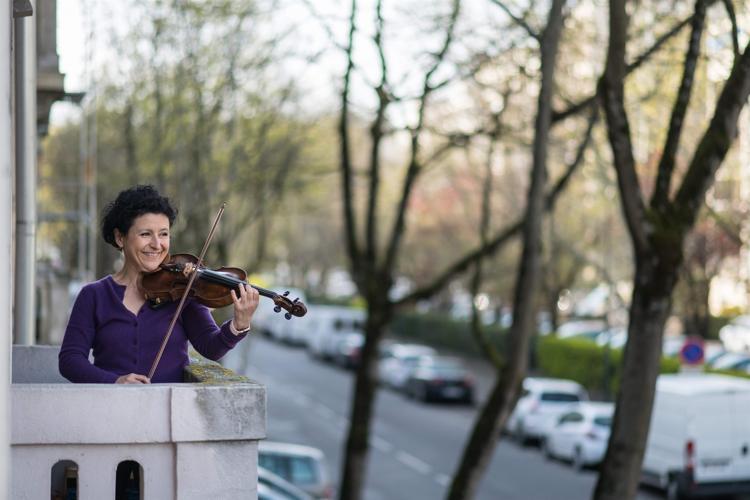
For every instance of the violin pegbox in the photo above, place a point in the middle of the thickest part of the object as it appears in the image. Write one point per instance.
(292, 307)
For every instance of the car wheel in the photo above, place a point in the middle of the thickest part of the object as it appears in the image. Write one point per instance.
(422, 393)
(520, 435)
(546, 450)
(578, 459)
(673, 489)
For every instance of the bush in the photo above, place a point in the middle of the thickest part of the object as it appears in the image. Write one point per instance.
(596, 368)
(443, 332)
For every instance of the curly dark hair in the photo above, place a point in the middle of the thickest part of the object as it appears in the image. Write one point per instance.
(130, 204)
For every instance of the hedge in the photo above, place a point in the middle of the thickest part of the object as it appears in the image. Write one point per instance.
(595, 367)
(443, 332)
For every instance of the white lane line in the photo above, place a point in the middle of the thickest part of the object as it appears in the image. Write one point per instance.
(442, 479)
(301, 399)
(324, 411)
(413, 462)
(381, 445)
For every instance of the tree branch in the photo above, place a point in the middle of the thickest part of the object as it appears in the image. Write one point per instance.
(660, 195)
(504, 235)
(376, 134)
(346, 163)
(519, 21)
(715, 142)
(583, 104)
(414, 163)
(612, 93)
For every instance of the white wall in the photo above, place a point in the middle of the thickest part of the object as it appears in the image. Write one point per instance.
(6, 238)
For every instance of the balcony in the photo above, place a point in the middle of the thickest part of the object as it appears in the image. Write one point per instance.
(192, 440)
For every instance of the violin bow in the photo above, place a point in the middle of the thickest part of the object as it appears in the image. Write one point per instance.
(186, 292)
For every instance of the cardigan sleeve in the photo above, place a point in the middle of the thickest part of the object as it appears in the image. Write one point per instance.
(73, 360)
(210, 340)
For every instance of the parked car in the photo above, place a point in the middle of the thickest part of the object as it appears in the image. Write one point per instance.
(440, 378)
(274, 487)
(303, 466)
(326, 325)
(581, 434)
(732, 361)
(699, 439)
(347, 350)
(275, 325)
(398, 361)
(584, 329)
(735, 335)
(615, 337)
(541, 403)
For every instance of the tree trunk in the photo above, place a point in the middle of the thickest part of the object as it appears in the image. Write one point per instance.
(621, 468)
(481, 444)
(363, 401)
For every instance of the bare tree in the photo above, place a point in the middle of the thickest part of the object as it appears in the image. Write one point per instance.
(502, 398)
(373, 252)
(658, 229)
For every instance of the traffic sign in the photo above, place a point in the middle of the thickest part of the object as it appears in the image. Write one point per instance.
(692, 352)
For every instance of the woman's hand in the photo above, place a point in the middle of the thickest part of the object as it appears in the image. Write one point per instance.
(244, 306)
(132, 378)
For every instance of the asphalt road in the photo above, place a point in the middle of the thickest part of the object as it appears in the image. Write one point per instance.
(415, 447)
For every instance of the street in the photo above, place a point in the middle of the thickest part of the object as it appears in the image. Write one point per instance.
(415, 447)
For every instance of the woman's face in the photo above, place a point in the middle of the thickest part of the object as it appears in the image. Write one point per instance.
(147, 242)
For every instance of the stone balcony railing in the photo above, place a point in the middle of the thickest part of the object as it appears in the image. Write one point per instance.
(193, 440)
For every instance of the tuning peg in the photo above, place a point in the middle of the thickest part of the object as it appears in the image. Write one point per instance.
(286, 293)
(288, 315)
(277, 309)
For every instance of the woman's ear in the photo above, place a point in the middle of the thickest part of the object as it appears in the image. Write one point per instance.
(119, 239)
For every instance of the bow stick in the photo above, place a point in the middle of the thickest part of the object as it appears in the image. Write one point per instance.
(185, 293)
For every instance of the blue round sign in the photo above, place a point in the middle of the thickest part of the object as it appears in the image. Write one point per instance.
(692, 352)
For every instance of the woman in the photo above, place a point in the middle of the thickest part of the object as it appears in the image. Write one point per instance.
(110, 315)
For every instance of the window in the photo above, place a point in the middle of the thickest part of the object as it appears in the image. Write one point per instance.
(559, 397)
(295, 469)
(64, 480)
(603, 422)
(129, 481)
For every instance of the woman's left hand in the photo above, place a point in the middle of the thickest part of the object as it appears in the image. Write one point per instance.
(244, 306)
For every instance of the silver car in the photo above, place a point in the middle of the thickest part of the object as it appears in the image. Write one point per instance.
(303, 466)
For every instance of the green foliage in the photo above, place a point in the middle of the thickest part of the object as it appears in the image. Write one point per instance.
(731, 373)
(443, 332)
(595, 367)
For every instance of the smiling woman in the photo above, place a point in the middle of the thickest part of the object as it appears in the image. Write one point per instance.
(109, 316)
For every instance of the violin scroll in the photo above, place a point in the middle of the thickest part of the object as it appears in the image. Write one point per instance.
(292, 307)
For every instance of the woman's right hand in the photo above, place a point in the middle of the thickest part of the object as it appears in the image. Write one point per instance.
(132, 378)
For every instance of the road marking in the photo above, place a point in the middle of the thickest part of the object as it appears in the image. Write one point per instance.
(442, 479)
(381, 445)
(300, 398)
(324, 411)
(413, 462)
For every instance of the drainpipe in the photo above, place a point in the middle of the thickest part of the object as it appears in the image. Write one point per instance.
(6, 242)
(25, 112)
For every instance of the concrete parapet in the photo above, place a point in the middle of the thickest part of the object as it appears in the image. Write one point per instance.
(191, 440)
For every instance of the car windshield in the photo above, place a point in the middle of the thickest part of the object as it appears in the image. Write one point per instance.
(559, 397)
(603, 421)
(295, 469)
(447, 370)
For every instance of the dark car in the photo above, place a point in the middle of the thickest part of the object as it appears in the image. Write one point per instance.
(347, 350)
(441, 378)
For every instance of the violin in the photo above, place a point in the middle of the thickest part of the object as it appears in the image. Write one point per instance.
(211, 287)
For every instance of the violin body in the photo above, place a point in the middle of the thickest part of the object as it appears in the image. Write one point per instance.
(211, 287)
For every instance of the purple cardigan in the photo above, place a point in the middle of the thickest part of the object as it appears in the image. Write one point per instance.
(127, 343)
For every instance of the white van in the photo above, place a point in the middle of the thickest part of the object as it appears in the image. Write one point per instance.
(329, 324)
(699, 439)
(275, 324)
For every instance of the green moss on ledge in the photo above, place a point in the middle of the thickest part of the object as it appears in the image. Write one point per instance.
(203, 371)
